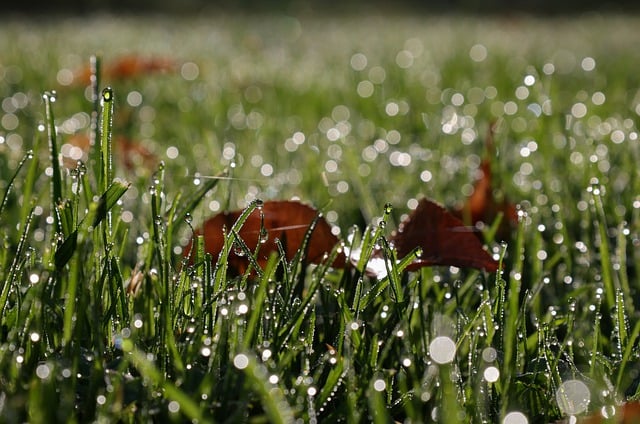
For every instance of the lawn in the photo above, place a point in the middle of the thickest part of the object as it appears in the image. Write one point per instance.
(103, 319)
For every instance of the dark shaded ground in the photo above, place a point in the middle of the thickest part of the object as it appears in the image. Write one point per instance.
(543, 7)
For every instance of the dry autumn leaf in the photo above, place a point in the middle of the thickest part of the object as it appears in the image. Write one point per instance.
(287, 221)
(443, 238)
(126, 68)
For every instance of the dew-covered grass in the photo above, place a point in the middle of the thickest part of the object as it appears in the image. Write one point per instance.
(101, 319)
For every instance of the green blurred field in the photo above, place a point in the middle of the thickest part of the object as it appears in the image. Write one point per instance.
(347, 114)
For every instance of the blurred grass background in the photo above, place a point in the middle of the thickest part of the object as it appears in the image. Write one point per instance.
(346, 113)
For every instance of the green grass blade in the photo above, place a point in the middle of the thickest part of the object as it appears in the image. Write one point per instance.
(11, 184)
(106, 129)
(604, 250)
(108, 200)
(56, 176)
(148, 370)
(272, 397)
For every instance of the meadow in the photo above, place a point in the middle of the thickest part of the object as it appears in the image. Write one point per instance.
(102, 319)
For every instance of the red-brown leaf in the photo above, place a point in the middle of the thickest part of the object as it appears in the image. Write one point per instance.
(287, 221)
(627, 413)
(127, 68)
(130, 153)
(443, 238)
(482, 206)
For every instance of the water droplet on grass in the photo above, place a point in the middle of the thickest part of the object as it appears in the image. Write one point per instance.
(237, 249)
(107, 95)
(264, 236)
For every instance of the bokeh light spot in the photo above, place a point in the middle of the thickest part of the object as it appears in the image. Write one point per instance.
(515, 417)
(478, 53)
(573, 397)
(442, 350)
(241, 361)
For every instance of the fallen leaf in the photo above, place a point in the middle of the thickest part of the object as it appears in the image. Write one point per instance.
(482, 207)
(443, 238)
(130, 153)
(627, 413)
(287, 221)
(133, 154)
(128, 67)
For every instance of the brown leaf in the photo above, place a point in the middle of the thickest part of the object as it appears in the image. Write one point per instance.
(482, 206)
(285, 220)
(128, 67)
(443, 238)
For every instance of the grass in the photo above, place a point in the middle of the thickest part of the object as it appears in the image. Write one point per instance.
(102, 320)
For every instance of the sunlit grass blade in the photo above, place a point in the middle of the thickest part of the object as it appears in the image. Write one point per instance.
(295, 320)
(241, 246)
(220, 271)
(56, 176)
(623, 269)
(66, 250)
(377, 402)
(106, 130)
(107, 201)
(621, 323)
(189, 204)
(603, 245)
(10, 186)
(12, 278)
(184, 404)
(510, 316)
(272, 398)
(258, 303)
(378, 286)
(392, 271)
(623, 371)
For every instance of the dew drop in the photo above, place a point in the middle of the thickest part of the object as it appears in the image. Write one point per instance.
(264, 235)
(237, 249)
(107, 94)
(50, 95)
(388, 208)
